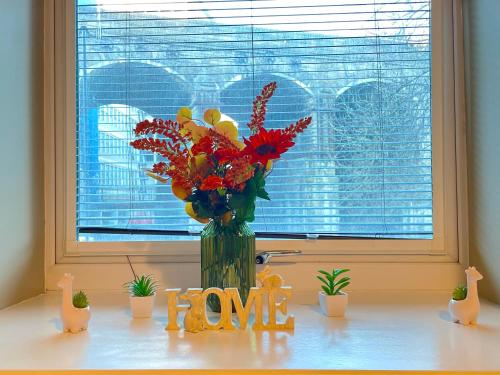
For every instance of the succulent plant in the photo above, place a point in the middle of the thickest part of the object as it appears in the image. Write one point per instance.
(460, 293)
(330, 286)
(80, 300)
(143, 286)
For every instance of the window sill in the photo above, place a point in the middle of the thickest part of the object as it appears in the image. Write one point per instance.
(385, 274)
(391, 331)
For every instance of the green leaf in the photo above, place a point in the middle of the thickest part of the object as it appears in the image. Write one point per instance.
(244, 209)
(237, 201)
(259, 179)
(202, 205)
(260, 183)
(343, 280)
(80, 300)
(322, 280)
(262, 193)
(250, 189)
(326, 290)
(250, 212)
(143, 286)
(329, 277)
(244, 203)
(340, 287)
(338, 272)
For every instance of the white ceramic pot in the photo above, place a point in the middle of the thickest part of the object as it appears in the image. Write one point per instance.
(465, 311)
(75, 319)
(142, 307)
(333, 305)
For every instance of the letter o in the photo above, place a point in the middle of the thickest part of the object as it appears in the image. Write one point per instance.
(225, 309)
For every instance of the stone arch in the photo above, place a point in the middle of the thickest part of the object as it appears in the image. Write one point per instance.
(367, 132)
(372, 108)
(153, 89)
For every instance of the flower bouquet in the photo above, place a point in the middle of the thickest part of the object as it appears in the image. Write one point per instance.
(219, 177)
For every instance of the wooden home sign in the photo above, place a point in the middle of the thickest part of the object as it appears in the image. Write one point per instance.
(196, 320)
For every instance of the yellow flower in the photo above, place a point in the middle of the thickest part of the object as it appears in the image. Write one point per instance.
(212, 116)
(228, 129)
(184, 115)
(190, 211)
(197, 131)
(179, 191)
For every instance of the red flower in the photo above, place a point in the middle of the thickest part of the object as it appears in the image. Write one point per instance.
(267, 145)
(174, 152)
(298, 127)
(212, 182)
(204, 145)
(259, 107)
(223, 155)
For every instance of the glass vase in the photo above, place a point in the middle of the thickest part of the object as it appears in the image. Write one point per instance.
(227, 259)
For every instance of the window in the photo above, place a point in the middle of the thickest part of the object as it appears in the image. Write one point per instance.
(370, 166)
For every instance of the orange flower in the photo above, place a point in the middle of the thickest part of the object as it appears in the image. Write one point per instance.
(239, 172)
(212, 182)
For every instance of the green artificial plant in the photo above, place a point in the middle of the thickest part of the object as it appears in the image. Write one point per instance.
(80, 300)
(460, 293)
(143, 286)
(331, 286)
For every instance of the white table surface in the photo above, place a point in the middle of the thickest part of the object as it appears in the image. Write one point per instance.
(389, 331)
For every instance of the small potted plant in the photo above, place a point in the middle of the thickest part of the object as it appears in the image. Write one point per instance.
(80, 300)
(464, 306)
(75, 309)
(460, 293)
(142, 292)
(81, 312)
(332, 299)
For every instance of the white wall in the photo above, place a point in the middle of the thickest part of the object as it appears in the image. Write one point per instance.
(483, 78)
(21, 150)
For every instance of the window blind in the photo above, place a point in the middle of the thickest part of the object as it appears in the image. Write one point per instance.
(361, 68)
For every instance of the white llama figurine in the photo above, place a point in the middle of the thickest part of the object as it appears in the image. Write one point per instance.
(466, 311)
(74, 319)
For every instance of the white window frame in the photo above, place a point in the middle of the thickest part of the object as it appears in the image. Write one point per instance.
(449, 183)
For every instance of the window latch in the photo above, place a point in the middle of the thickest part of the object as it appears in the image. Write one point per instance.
(265, 256)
